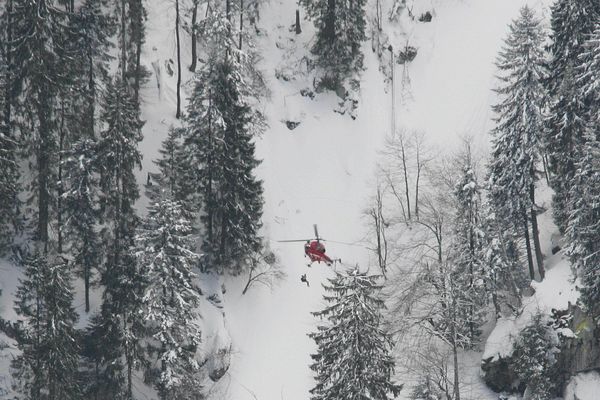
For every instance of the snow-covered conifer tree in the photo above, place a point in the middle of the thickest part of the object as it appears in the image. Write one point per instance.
(81, 211)
(573, 21)
(92, 29)
(164, 246)
(583, 228)
(169, 181)
(39, 36)
(535, 359)
(340, 31)
(466, 248)
(9, 170)
(118, 155)
(136, 34)
(47, 367)
(503, 273)
(353, 359)
(517, 136)
(220, 163)
(565, 125)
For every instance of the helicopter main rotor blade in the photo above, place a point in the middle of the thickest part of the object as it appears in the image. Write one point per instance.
(294, 240)
(316, 231)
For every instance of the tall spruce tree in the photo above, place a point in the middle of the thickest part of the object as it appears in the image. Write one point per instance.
(164, 246)
(587, 86)
(81, 212)
(504, 274)
(572, 23)
(47, 367)
(517, 136)
(219, 156)
(340, 30)
(9, 169)
(565, 125)
(92, 28)
(38, 51)
(118, 155)
(353, 359)
(468, 242)
(137, 34)
(169, 182)
(583, 228)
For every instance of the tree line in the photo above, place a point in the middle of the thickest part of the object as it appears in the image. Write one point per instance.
(70, 80)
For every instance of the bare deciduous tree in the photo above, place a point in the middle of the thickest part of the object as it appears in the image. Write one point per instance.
(406, 157)
(379, 224)
(265, 269)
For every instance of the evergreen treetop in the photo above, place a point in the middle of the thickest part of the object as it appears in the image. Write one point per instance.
(353, 359)
(516, 138)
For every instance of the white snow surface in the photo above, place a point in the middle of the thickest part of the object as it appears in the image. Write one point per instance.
(583, 386)
(556, 291)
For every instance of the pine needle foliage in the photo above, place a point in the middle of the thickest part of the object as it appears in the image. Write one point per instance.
(353, 359)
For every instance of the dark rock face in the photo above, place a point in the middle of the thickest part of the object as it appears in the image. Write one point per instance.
(407, 55)
(291, 125)
(219, 364)
(427, 17)
(498, 374)
(582, 352)
(578, 353)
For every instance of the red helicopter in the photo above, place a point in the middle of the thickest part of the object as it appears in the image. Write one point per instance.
(314, 249)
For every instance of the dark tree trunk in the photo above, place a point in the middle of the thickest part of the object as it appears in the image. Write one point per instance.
(298, 28)
(61, 144)
(129, 362)
(194, 36)
(209, 194)
(91, 99)
(178, 113)
(86, 281)
(139, 38)
(123, 42)
(8, 57)
(406, 187)
(43, 171)
(528, 245)
(138, 70)
(228, 15)
(536, 234)
(241, 25)
(455, 362)
(329, 29)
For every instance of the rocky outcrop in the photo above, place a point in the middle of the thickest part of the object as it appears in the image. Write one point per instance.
(218, 363)
(579, 352)
(498, 374)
